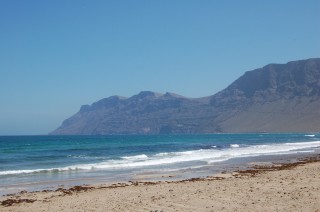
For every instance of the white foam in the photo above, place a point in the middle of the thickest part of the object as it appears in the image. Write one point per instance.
(29, 171)
(311, 135)
(234, 145)
(10, 172)
(162, 154)
(206, 155)
(136, 157)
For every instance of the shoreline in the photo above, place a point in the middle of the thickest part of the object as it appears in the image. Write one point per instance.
(149, 158)
(146, 191)
(202, 171)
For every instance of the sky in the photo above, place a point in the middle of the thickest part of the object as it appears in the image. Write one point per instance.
(57, 55)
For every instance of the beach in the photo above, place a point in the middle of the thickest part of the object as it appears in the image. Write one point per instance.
(291, 186)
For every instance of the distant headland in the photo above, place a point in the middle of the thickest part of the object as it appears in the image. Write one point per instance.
(275, 98)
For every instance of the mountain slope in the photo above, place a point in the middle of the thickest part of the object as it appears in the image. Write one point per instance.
(275, 98)
(145, 113)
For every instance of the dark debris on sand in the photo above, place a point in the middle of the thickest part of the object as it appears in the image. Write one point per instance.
(257, 169)
(10, 202)
(74, 189)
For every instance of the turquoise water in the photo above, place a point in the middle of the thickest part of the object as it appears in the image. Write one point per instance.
(35, 159)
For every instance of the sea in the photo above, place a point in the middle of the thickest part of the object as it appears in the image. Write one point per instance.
(47, 162)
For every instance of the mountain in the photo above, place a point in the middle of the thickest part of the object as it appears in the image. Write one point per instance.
(275, 98)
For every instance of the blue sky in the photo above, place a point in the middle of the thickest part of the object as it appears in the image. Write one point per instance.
(58, 55)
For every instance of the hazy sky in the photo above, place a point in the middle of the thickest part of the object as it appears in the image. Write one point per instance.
(58, 55)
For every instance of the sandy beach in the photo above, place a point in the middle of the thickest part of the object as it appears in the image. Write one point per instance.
(277, 187)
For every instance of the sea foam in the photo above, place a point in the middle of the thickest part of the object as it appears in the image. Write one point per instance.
(206, 155)
(311, 135)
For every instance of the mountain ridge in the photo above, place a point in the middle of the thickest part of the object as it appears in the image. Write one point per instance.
(267, 99)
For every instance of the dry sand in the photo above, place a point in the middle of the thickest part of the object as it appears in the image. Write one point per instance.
(293, 187)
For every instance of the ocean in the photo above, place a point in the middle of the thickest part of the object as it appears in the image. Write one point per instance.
(47, 162)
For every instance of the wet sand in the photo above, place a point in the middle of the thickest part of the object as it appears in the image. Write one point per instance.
(277, 187)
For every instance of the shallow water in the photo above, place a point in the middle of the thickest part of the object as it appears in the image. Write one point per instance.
(38, 162)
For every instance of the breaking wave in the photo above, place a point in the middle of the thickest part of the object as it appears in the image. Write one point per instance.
(207, 155)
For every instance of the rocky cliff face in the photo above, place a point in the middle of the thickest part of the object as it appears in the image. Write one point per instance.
(145, 113)
(274, 81)
(275, 98)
